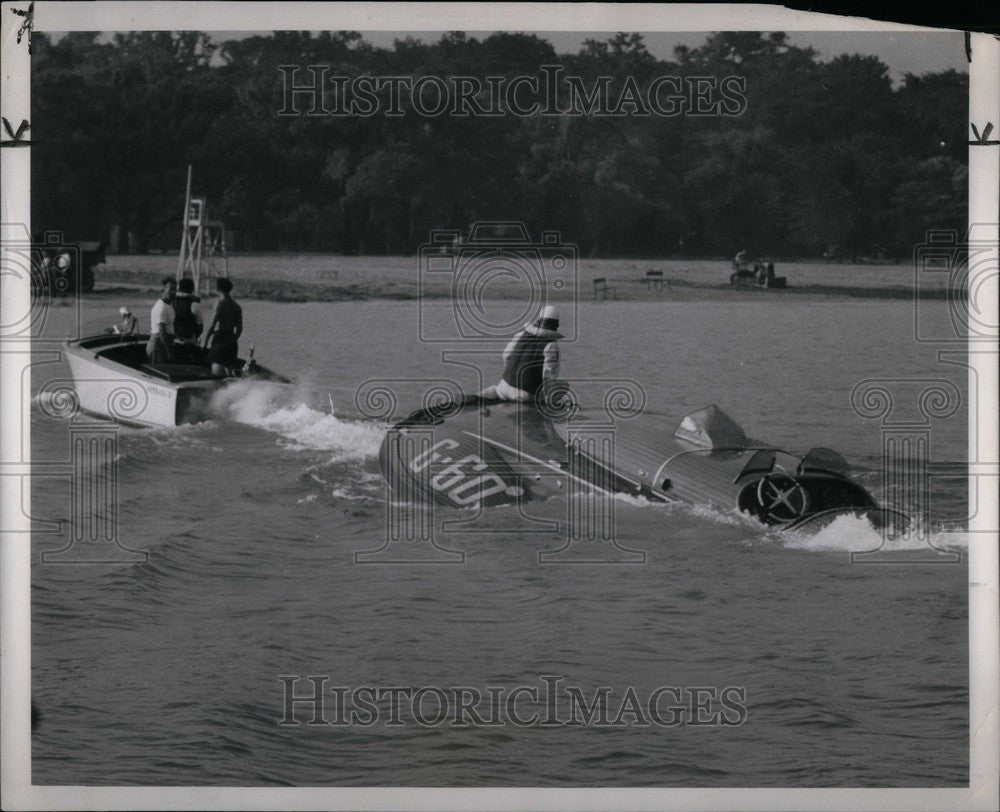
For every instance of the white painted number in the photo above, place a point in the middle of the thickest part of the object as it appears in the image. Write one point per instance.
(461, 479)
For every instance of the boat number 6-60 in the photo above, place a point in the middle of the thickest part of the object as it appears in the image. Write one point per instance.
(463, 486)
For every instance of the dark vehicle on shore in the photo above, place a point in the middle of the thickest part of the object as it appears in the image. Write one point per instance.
(66, 267)
(759, 275)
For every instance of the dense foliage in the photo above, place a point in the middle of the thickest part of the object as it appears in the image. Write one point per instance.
(827, 156)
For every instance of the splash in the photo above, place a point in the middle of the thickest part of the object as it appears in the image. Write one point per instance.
(286, 411)
(855, 534)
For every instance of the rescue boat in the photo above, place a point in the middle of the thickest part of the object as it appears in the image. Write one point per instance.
(112, 379)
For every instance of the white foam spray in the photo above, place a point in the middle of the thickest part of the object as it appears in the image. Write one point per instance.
(856, 534)
(285, 410)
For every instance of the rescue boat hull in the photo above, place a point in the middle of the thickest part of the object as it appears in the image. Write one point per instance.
(111, 380)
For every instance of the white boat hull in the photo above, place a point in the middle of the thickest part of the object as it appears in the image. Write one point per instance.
(111, 379)
(130, 396)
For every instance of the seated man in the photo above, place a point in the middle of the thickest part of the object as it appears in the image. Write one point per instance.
(128, 324)
(531, 360)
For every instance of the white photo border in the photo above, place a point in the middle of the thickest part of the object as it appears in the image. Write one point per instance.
(15, 554)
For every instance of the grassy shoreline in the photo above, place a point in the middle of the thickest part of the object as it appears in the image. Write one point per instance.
(333, 278)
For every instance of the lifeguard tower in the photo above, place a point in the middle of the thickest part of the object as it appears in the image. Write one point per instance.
(203, 244)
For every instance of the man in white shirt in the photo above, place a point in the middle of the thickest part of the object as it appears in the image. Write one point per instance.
(160, 349)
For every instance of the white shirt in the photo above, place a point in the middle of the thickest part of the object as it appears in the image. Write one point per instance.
(162, 314)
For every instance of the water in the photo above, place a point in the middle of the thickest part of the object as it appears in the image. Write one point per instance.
(167, 672)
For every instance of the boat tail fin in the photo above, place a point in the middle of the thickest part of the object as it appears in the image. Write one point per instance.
(819, 461)
(711, 428)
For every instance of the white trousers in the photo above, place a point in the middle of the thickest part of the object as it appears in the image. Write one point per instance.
(505, 391)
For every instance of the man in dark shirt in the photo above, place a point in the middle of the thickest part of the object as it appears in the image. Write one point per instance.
(531, 360)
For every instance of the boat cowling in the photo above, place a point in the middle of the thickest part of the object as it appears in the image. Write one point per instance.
(786, 499)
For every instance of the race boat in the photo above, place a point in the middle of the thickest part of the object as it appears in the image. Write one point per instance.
(478, 453)
(112, 379)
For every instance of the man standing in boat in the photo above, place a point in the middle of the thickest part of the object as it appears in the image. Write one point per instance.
(187, 320)
(160, 349)
(225, 330)
(530, 361)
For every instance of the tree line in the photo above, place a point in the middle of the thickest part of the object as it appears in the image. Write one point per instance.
(825, 157)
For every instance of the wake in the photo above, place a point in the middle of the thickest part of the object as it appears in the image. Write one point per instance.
(297, 415)
(855, 534)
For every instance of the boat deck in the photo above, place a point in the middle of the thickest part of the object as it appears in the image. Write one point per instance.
(132, 354)
(130, 351)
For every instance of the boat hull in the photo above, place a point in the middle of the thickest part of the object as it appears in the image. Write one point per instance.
(486, 454)
(117, 392)
(111, 381)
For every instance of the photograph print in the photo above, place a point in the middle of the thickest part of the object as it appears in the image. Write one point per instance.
(412, 409)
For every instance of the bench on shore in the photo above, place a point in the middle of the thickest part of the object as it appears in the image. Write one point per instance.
(654, 280)
(601, 286)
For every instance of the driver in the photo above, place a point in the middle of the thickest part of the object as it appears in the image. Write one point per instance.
(531, 359)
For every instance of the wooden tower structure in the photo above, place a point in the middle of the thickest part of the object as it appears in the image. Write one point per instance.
(203, 242)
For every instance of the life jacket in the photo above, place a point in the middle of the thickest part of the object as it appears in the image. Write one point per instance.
(185, 324)
(523, 369)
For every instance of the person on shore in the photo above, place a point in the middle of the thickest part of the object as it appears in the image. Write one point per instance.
(225, 330)
(159, 348)
(188, 324)
(531, 360)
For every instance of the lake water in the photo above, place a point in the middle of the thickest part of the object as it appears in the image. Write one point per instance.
(168, 671)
